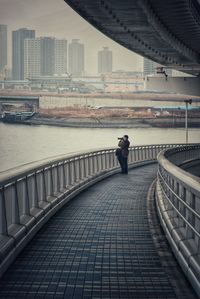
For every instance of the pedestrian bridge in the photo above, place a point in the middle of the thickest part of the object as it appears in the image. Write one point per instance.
(107, 242)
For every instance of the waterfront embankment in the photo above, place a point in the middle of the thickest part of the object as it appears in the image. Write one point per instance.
(138, 110)
(114, 122)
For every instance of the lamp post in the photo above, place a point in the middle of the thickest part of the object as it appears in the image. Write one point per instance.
(186, 118)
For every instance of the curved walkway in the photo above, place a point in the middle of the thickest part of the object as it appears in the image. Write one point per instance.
(99, 246)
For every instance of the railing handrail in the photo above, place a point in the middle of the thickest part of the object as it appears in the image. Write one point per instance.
(189, 180)
(32, 193)
(177, 200)
(19, 171)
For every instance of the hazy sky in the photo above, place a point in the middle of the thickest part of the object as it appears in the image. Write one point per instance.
(56, 18)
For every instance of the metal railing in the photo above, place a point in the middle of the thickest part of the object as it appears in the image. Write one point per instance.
(178, 204)
(32, 193)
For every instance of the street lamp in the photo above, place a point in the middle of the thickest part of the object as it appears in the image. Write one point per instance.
(186, 118)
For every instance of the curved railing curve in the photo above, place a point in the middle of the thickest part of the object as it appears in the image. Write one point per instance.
(178, 205)
(34, 192)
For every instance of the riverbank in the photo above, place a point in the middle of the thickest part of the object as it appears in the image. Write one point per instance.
(88, 122)
(138, 110)
(114, 122)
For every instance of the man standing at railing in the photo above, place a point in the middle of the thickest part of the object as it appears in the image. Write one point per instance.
(123, 156)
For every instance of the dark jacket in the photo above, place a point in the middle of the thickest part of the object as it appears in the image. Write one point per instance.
(124, 145)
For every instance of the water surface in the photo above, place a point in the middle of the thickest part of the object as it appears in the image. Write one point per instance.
(21, 144)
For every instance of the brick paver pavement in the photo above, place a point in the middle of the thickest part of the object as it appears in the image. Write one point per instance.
(98, 246)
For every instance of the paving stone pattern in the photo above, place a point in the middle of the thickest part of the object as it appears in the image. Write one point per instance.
(98, 246)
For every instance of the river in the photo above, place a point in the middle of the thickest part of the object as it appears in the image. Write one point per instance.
(21, 144)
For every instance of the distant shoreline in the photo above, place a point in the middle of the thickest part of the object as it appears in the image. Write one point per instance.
(88, 122)
(100, 114)
(113, 122)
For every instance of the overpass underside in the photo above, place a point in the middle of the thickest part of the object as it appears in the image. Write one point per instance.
(167, 32)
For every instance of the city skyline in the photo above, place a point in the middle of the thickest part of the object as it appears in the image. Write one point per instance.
(29, 56)
(59, 20)
(45, 56)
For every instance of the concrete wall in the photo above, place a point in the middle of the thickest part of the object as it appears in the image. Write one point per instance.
(182, 85)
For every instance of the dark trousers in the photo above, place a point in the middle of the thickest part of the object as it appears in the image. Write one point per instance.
(123, 161)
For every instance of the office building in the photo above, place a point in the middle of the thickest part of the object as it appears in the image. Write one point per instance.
(105, 61)
(60, 56)
(3, 47)
(76, 58)
(18, 38)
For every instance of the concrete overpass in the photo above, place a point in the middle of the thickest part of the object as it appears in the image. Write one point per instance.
(167, 32)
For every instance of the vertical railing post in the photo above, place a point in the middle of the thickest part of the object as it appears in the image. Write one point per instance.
(97, 163)
(134, 155)
(15, 205)
(64, 175)
(36, 189)
(25, 204)
(69, 173)
(80, 167)
(65, 185)
(154, 151)
(44, 184)
(190, 216)
(75, 170)
(88, 165)
(22, 196)
(93, 164)
(3, 221)
(103, 160)
(59, 183)
(51, 185)
(145, 153)
(85, 167)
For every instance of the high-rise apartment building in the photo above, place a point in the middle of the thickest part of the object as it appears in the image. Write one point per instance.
(76, 58)
(3, 47)
(105, 61)
(44, 56)
(18, 38)
(60, 56)
(32, 61)
(47, 56)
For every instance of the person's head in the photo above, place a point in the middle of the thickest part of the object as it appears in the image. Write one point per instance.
(125, 137)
